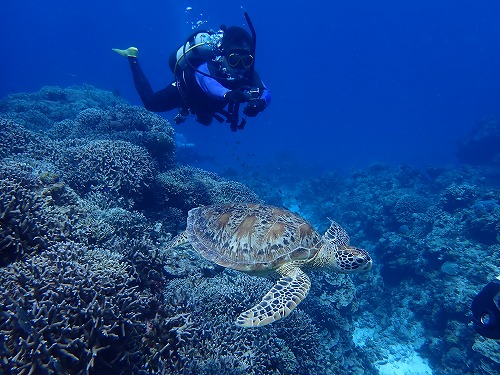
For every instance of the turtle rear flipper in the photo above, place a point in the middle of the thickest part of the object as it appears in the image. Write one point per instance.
(280, 301)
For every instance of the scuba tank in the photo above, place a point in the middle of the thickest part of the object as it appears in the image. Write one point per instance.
(200, 47)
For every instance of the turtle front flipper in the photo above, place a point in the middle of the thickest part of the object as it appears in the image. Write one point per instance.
(280, 301)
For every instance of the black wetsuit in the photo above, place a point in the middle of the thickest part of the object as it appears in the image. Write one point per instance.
(205, 101)
(162, 101)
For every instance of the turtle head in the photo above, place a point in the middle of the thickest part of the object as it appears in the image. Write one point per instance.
(336, 253)
(343, 258)
(350, 259)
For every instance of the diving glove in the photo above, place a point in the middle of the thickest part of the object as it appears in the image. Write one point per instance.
(254, 106)
(236, 96)
(129, 52)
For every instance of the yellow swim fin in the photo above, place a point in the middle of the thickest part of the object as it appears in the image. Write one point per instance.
(129, 52)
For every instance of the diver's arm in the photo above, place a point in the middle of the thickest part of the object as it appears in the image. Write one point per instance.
(265, 93)
(217, 91)
(161, 101)
(209, 85)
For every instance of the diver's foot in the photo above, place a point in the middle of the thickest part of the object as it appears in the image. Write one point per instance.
(129, 52)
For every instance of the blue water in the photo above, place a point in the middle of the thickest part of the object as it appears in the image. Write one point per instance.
(355, 85)
(353, 82)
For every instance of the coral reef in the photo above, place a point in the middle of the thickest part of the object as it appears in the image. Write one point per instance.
(65, 307)
(31, 217)
(118, 167)
(84, 112)
(39, 111)
(458, 196)
(87, 204)
(125, 123)
(15, 139)
(185, 187)
(201, 336)
(90, 194)
(436, 236)
(64, 311)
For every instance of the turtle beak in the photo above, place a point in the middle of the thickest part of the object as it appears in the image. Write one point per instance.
(367, 266)
(365, 261)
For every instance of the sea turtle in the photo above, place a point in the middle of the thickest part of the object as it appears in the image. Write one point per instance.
(261, 239)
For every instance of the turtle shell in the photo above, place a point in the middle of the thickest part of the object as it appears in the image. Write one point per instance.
(251, 237)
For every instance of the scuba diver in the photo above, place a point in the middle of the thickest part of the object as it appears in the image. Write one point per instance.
(213, 75)
(486, 310)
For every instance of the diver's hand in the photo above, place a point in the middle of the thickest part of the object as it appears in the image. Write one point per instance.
(254, 106)
(236, 96)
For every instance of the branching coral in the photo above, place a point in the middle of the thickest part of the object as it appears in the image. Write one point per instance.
(118, 167)
(30, 214)
(41, 109)
(197, 334)
(60, 313)
(123, 122)
(15, 139)
(86, 112)
(186, 187)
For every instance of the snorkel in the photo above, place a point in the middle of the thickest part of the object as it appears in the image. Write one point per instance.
(254, 35)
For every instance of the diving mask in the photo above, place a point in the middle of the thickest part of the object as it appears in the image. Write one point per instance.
(238, 59)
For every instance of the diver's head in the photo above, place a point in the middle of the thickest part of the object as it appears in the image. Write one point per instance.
(237, 51)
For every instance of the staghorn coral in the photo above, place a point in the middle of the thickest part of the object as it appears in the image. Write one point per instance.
(122, 122)
(120, 168)
(15, 139)
(63, 311)
(66, 308)
(104, 225)
(144, 257)
(197, 334)
(32, 215)
(185, 187)
(22, 220)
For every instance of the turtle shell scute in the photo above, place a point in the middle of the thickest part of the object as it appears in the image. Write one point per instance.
(251, 237)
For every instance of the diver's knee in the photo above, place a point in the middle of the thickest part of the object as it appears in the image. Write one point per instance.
(204, 119)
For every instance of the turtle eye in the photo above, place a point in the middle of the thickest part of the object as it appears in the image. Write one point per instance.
(360, 260)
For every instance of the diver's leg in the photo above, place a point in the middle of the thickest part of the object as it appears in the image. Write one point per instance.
(161, 101)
